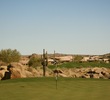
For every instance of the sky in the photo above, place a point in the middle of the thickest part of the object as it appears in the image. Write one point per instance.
(66, 26)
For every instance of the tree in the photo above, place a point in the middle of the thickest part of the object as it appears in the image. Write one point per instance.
(34, 62)
(8, 55)
(78, 58)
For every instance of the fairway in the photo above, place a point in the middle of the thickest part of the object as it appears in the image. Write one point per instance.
(45, 89)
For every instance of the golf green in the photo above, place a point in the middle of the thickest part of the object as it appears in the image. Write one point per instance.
(45, 89)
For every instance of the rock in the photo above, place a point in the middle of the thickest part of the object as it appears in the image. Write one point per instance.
(15, 73)
(78, 75)
(19, 66)
(4, 72)
(18, 70)
(101, 76)
(3, 68)
(96, 76)
(28, 74)
(86, 76)
(97, 70)
(62, 75)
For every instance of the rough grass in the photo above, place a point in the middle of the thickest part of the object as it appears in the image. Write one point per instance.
(45, 89)
(83, 64)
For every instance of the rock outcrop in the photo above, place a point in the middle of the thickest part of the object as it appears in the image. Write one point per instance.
(95, 72)
(3, 70)
(17, 70)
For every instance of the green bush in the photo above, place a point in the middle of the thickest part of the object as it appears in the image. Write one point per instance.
(78, 58)
(34, 62)
(8, 55)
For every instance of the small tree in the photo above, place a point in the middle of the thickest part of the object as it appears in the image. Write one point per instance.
(8, 55)
(35, 62)
(78, 58)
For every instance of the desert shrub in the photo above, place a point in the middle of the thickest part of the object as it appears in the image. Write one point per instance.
(34, 62)
(8, 55)
(78, 58)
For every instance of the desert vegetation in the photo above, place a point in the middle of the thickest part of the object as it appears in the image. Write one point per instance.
(34, 61)
(8, 55)
(78, 66)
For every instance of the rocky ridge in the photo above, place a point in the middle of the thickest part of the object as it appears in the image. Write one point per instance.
(17, 70)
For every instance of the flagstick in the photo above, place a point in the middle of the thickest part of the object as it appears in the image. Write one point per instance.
(55, 63)
(56, 80)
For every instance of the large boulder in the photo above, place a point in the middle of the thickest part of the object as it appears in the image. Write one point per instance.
(19, 71)
(35, 72)
(3, 70)
(16, 73)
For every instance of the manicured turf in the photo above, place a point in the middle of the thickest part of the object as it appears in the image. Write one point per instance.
(83, 64)
(45, 89)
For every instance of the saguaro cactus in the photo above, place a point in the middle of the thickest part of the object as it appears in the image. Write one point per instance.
(44, 61)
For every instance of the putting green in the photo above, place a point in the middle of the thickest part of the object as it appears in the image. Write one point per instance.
(45, 89)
